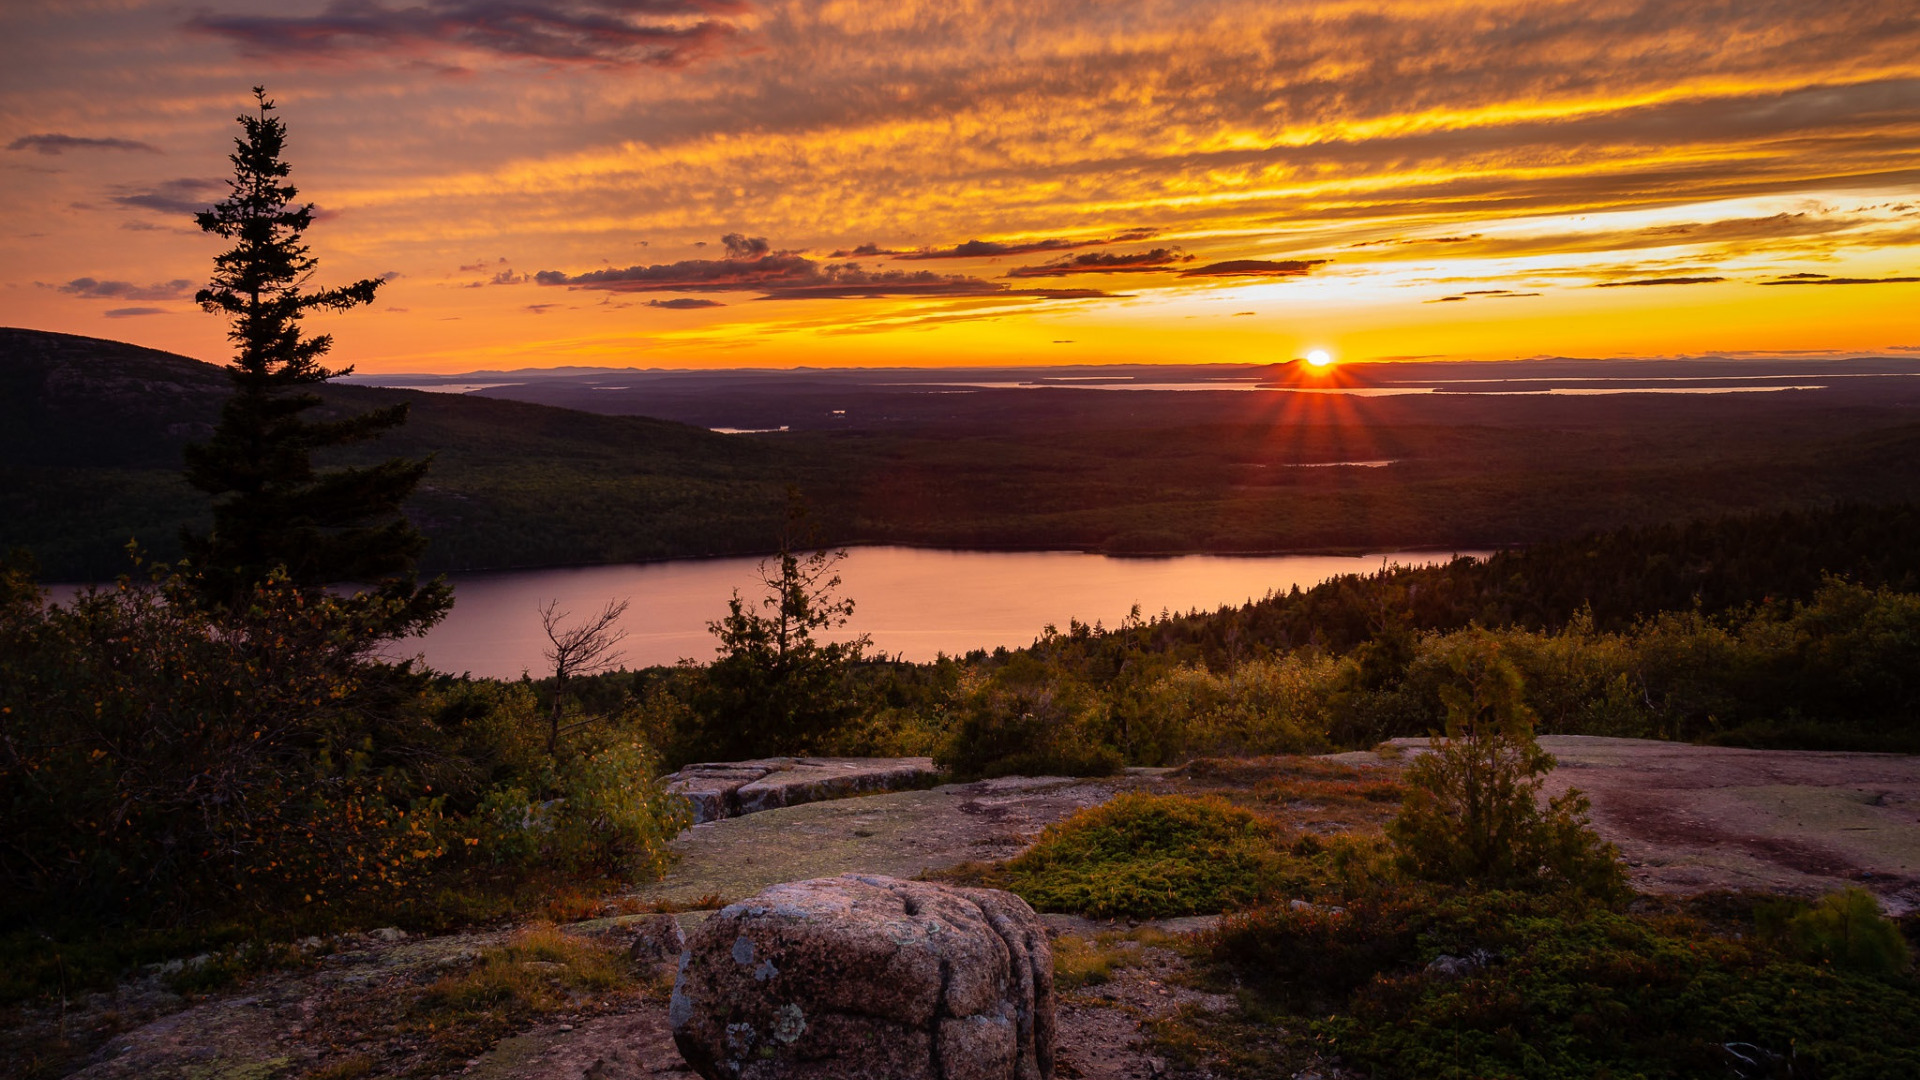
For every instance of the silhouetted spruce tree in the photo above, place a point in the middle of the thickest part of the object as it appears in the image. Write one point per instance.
(273, 510)
(775, 688)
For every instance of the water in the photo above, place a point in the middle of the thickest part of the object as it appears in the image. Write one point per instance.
(914, 602)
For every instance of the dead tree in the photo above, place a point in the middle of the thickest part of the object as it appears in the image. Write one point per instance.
(582, 649)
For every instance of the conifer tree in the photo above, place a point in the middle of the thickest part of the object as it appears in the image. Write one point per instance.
(273, 509)
(775, 688)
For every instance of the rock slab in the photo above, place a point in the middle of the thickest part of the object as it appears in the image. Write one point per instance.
(724, 789)
(868, 978)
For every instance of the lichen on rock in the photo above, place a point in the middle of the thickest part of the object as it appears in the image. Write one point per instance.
(860, 977)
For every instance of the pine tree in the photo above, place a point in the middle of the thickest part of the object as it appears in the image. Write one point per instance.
(775, 688)
(273, 510)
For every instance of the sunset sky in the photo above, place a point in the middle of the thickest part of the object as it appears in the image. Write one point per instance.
(689, 183)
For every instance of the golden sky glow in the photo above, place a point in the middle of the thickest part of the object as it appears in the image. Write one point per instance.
(680, 183)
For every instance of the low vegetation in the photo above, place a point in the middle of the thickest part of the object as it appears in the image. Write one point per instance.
(1148, 856)
(181, 780)
(1080, 962)
(1418, 980)
(1739, 632)
(1505, 947)
(428, 1024)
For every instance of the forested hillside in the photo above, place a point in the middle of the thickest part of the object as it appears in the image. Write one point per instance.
(91, 433)
(90, 457)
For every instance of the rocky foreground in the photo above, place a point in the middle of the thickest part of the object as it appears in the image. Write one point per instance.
(1688, 819)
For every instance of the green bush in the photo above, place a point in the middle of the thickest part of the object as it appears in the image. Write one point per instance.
(1024, 720)
(159, 758)
(613, 815)
(164, 766)
(1595, 993)
(1472, 814)
(1557, 987)
(1150, 856)
(1846, 930)
(1275, 706)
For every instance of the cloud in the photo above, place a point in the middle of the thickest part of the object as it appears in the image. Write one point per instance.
(1481, 294)
(865, 251)
(508, 277)
(1157, 260)
(989, 249)
(54, 143)
(1727, 234)
(752, 265)
(95, 289)
(612, 33)
(741, 246)
(1822, 279)
(1068, 294)
(1282, 268)
(540, 309)
(187, 195)
(1412, 240)
(1659, 281)
(685, 303)
(129, 312)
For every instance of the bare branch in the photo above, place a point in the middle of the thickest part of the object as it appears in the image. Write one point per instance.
(584, 648)
(578, 650)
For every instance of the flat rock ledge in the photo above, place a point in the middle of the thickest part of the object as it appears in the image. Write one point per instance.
(862, 977)
(724, 789)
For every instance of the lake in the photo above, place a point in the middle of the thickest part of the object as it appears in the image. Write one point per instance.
(914, 602)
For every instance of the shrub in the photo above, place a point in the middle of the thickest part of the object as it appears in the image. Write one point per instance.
(1026, 721)
(614, 815)
(1556, 986)
(1259, 707)
(1471, 812)
(166, 766)
(157, 757)
(1845, 929)
(1583, 993)
(1149, 856)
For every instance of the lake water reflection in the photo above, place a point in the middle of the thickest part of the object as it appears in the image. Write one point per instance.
(914, 602)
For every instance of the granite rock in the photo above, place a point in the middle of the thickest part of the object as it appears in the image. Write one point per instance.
(868, 978)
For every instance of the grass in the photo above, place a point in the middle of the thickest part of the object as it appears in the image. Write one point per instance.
(1302, 793)
(539, 973)
(1081, 961)
(1158, 856)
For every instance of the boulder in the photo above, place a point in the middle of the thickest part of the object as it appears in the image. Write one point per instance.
(724, 789)
(657, 939)
(867, 978)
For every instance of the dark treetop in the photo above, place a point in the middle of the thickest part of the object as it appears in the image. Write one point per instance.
(273, 508)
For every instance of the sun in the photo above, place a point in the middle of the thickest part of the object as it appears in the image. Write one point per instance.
(1320, 358)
